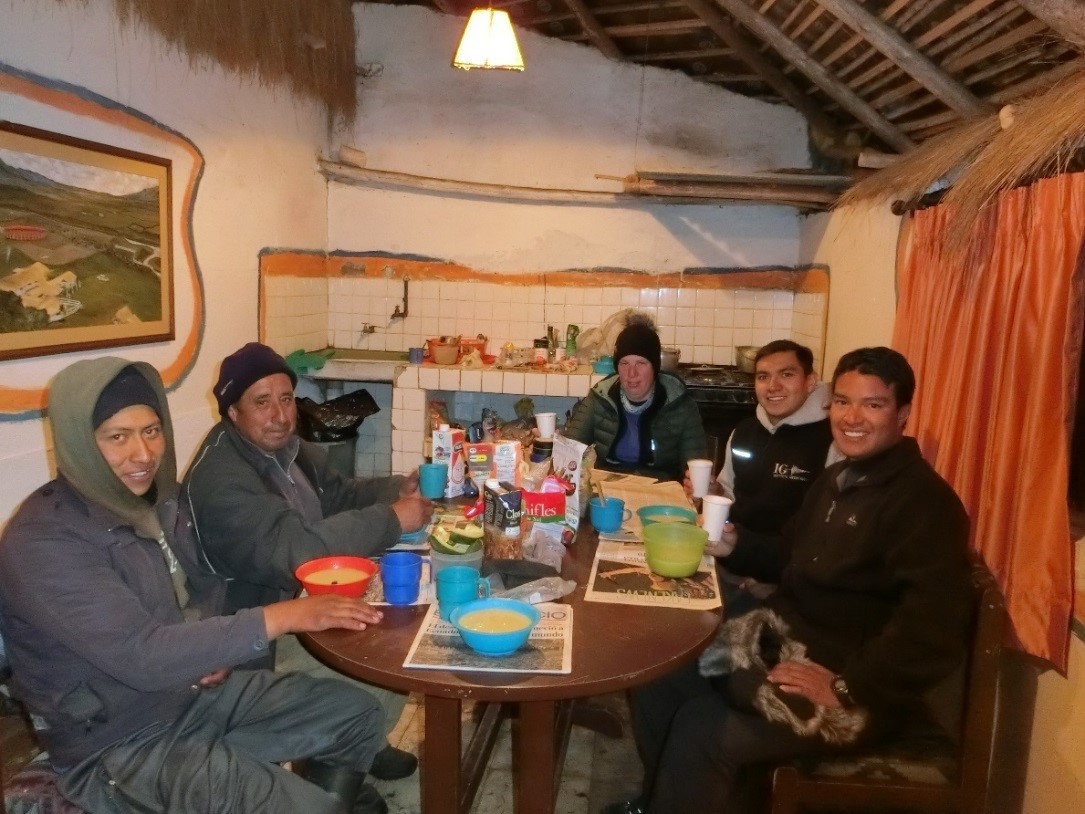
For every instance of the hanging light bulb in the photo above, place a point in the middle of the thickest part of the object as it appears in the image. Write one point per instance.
(488, 41)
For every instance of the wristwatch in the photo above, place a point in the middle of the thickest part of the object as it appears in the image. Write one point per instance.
(840, 690)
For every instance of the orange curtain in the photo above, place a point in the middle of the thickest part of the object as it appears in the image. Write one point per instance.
(994, 335)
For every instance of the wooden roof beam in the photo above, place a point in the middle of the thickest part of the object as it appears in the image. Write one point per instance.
(593, 29)
(848, 99)
(711, 16)
(895, 47)
(1064, 17)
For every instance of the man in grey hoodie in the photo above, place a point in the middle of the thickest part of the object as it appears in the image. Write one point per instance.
(116, 641)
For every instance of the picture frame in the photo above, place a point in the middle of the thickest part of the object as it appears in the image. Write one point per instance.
(85, 245)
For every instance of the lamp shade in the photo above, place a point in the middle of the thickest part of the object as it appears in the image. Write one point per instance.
(488, 41)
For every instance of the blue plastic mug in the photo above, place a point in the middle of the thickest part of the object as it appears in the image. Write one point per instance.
(608, 514)
(458, 585)
(401, 573)
(432, 479)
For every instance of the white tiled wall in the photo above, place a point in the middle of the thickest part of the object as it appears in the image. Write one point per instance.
(296, 313)
(704, 323)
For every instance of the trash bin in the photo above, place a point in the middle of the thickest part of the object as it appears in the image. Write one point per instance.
(341, 455)
(333, 425)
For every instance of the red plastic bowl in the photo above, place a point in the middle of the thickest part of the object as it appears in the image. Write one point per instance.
(319, 576)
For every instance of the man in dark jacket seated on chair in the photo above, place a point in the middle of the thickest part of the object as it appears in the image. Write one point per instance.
(872, 611)
(117, 643)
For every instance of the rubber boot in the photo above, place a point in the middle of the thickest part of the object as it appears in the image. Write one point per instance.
(336, 780)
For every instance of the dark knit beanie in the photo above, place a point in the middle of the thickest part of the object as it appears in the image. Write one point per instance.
(243, 368)
(127, 389)
(638, 339)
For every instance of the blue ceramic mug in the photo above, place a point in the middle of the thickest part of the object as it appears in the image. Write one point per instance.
(458, 585)
(608, 514)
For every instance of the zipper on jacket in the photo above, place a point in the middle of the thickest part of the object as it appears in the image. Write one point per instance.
(832, 508)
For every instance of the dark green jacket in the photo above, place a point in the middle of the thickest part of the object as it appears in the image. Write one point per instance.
(671, 429)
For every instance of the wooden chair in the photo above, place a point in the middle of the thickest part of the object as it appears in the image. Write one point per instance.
(923, 776)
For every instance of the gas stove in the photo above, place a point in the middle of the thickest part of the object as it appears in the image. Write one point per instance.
(717, 384)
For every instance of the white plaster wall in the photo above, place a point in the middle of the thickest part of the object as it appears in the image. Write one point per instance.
(260, 188)
(859, 246)
(572, 115)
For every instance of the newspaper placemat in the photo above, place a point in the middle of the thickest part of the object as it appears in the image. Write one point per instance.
(620, 574)
(638, 492)
(549, 649)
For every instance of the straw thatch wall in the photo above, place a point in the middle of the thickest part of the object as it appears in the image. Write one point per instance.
(306, 45)
(984, 156)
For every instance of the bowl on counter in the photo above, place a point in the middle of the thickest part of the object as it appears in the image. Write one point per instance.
(604, 365)
(660, 514)
(444, 350)
(346, 576)
(674, 549)
(495, 627)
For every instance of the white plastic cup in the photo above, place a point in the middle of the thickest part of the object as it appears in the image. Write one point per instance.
(700, 475)
(547, 423)
(714, 516)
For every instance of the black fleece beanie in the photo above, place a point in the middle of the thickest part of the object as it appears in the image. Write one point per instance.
(638, 339)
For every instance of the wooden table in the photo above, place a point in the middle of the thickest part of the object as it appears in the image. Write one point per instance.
(614, 647)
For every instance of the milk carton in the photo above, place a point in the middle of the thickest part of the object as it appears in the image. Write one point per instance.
(448, 449)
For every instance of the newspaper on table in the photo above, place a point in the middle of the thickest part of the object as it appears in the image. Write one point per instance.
(620, 574)
(549, 649)
(637, 491)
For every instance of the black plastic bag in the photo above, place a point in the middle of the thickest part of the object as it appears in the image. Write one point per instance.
(335, 420)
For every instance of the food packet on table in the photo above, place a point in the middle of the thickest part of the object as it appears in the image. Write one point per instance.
(546, 589)
(572, 462)
(501, 522)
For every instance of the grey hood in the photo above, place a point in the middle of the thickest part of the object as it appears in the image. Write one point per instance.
(72, 396)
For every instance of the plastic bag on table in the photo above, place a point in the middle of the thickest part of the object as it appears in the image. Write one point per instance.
(544, 544)
(336, 419)
(546, 589)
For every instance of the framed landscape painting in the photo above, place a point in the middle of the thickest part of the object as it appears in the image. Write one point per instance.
(85, 258)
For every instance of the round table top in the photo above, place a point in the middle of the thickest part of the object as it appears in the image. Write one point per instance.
(614, 647)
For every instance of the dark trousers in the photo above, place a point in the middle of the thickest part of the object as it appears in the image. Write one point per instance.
(694, 746)
(221, 755)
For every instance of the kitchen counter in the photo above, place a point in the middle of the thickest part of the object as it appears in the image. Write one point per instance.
(412, 384)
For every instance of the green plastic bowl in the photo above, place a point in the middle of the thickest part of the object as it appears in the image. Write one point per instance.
(674, 549)
(665, 515)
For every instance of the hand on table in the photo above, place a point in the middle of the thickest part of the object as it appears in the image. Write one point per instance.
(726, 544)
(409, 487)
(311, 614)
(805, 678)
(413, 511)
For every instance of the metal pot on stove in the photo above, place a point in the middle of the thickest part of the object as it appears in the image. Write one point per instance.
(668, 359)
(745, 356)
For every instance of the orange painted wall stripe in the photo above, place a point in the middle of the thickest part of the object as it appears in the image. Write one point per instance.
(21, 400)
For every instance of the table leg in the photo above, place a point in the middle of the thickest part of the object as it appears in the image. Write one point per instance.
(441, 756)
(536, 758)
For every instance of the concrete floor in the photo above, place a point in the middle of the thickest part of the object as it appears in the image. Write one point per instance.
(598, 770)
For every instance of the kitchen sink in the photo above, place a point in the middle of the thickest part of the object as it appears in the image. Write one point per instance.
(352, 355)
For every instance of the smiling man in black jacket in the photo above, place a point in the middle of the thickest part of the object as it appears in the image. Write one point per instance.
(871, 611)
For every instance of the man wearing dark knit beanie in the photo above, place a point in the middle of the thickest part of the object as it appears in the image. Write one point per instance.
(639, 419)
(119, 644)
(265, 501)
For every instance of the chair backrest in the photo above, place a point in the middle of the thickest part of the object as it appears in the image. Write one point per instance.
(982, 681)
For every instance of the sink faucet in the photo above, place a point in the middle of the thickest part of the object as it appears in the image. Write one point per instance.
(368, 328)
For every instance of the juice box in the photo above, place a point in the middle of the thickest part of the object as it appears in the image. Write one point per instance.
(448, 448)
(506, 464)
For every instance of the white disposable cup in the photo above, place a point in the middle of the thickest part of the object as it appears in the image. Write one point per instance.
(716, 509)
(547, 423)
(700, 475)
